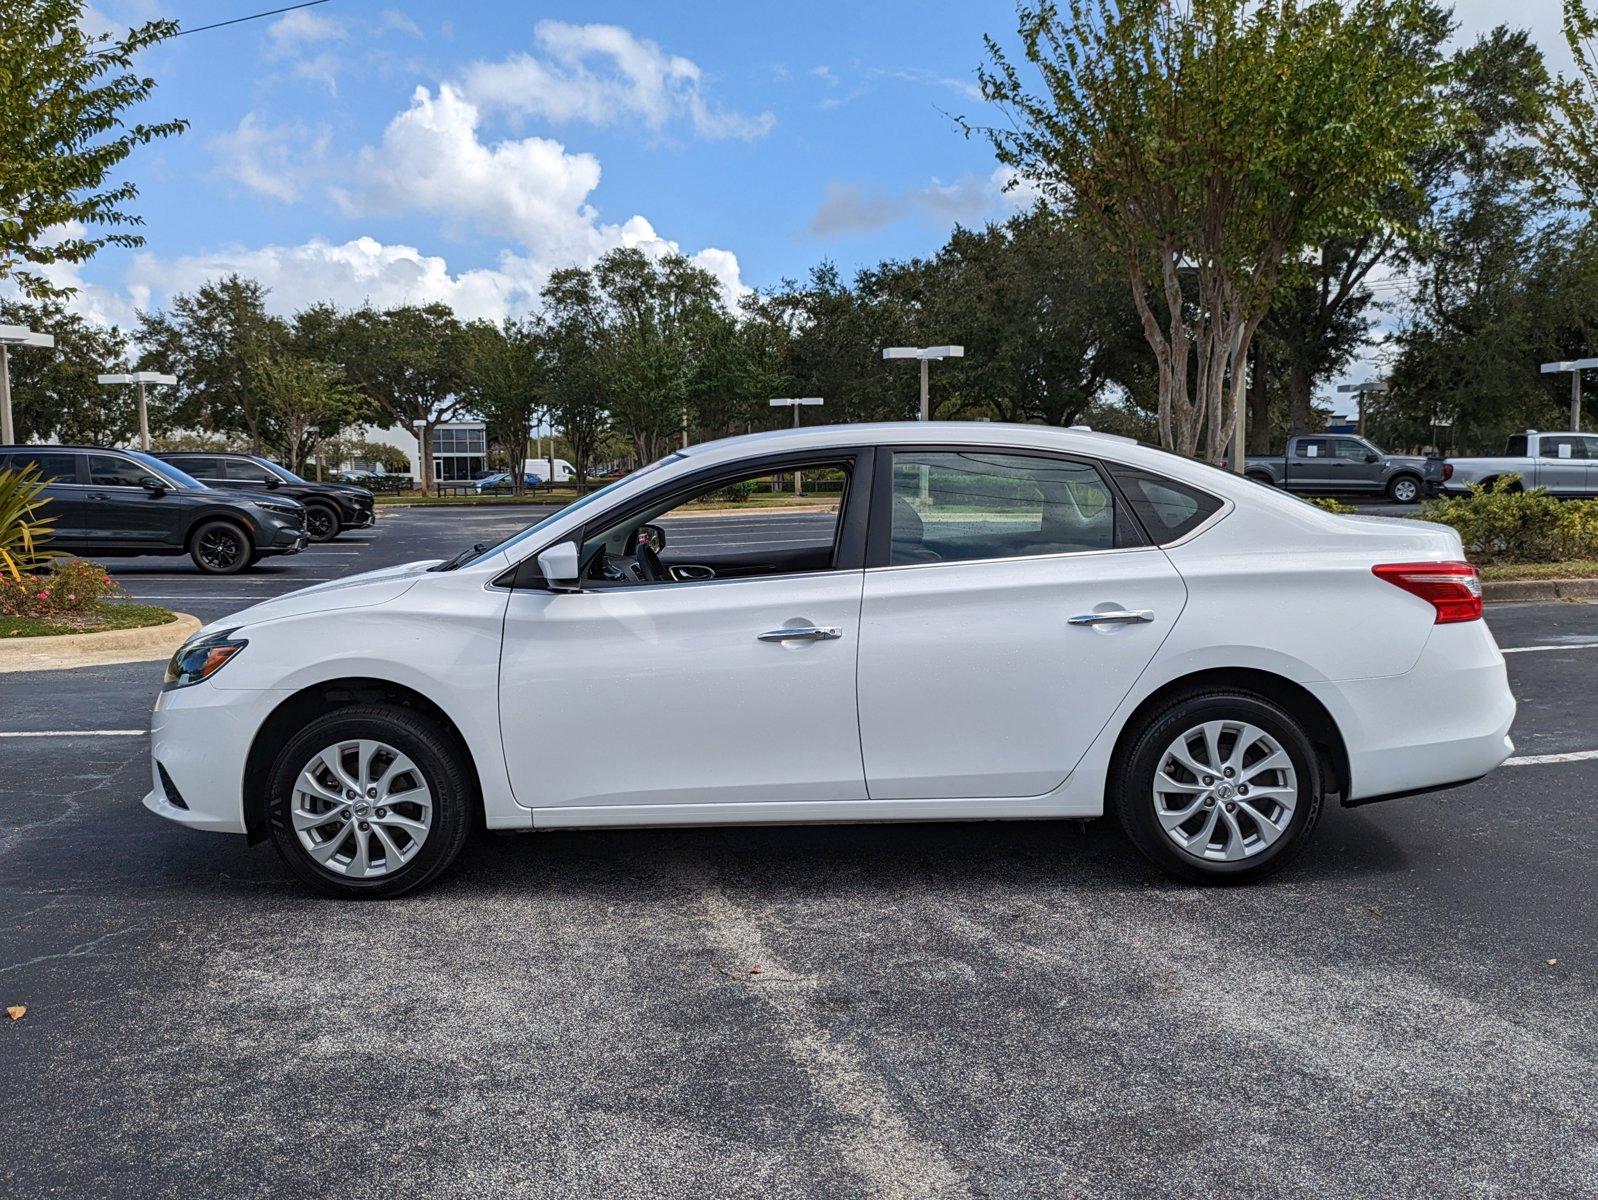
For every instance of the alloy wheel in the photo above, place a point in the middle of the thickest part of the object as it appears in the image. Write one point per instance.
(221, 548)
(361, 808)
(1225, 791)
(1404, 491)
(320, 524)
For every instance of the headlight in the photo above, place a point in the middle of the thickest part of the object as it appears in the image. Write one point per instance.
(200, 658)
(281, 508)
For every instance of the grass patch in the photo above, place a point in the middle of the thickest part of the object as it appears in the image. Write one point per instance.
(103, 616)
(1576, 568)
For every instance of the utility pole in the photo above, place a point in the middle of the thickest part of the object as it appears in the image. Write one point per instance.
(926, 355)
(1575, 367)
(15, 335)
(143, 379)
(1371, 387)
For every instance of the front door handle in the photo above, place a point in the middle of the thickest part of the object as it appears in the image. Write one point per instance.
(802, 633)
(1139, 616)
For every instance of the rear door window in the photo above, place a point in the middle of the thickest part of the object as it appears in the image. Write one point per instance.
(200, 468)
(107, 470)
(52, 467)
(239, 469)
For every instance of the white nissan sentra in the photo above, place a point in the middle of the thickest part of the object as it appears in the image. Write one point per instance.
(970, 622)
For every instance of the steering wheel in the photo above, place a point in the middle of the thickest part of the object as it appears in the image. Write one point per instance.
(649, 564)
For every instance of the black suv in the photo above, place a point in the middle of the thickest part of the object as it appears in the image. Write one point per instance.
(330, 508)
(116, 502)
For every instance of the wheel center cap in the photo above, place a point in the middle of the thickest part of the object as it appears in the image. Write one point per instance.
(361, 809)
(1224, 791)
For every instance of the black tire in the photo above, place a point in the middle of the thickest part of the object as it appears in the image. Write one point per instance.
(1132, 784)
(221, 548)
(438, 759)
(1404, 489)
(1258, 477)
(322, 522)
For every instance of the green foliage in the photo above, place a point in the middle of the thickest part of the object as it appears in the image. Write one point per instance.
(392, 458)
(1504, 524)
(1204, 144)
(744, 489)
(25, 522)
(1569, 127)
(507, 379)
(1331, 505)
(69, 587)
(305, 402)
(64, 96)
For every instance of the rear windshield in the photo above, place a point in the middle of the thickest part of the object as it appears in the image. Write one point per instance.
(1168, 510)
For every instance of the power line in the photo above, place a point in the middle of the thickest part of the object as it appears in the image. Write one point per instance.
(252, 17)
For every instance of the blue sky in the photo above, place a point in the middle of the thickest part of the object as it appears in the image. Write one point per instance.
(401, 151)
(477, 146)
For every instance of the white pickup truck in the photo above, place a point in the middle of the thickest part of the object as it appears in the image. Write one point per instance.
(1564, 463)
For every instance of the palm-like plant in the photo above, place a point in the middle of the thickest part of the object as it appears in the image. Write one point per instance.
(22, 529)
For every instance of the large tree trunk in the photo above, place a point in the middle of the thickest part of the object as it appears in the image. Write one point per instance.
(1300, 387)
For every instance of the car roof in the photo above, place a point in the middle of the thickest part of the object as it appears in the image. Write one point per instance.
(35, 446)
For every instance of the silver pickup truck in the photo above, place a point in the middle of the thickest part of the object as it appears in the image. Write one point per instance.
(1337, 464)
(1564, 463)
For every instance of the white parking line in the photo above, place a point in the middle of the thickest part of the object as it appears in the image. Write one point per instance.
(72, 733)
(1537, 760)
(1541, 649)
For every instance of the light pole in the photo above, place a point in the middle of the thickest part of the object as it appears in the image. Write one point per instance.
(926, 354)
(1575, 368)
(424, 466)
(14, 335)
(794, 402)
(1371, 387)
(143, 379)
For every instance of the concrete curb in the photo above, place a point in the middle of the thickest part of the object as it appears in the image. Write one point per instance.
(1523, 591)
(151, 643)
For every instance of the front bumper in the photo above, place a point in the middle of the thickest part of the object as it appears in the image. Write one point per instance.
(202, 736)
(285, 541)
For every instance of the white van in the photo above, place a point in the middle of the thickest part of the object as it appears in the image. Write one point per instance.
(564, 471)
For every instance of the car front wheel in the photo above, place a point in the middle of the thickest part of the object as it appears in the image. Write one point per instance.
(221, 548)
(1219, 787)
(369, 802)
(321, 523)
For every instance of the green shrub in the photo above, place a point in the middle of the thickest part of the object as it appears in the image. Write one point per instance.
(1333, 506)
(742, 490)
(24, 522)
(70, 587)
(1504, 524)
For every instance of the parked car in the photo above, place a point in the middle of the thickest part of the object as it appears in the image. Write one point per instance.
(1564, 463)
(330, 507)
(998, 622)
(1336, 464)
(563, 472)
(500, 481)
(122, 502)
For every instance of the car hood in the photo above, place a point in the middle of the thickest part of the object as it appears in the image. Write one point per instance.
(253, 497)
(355, 591)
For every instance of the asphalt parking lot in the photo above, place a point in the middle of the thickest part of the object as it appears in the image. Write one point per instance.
(941, 1010)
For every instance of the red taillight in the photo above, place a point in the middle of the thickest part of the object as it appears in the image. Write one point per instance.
(1452, 588)
(1448, 472)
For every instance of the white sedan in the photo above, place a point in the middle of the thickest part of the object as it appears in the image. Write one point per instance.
(972, 622)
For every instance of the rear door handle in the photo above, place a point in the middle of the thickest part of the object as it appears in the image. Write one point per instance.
(803, 633)
(1139, 616)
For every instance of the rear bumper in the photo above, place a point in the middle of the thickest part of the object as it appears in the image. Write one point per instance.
(1443, 723)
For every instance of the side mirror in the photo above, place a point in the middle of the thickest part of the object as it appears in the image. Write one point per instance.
(273, 484)
(653, 536)
(153, 485)
(561, 568)
(1373, 458)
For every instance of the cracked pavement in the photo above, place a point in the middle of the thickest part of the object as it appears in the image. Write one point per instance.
(1005, 1009)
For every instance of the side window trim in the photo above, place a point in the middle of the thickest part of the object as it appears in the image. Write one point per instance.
(1129, 532)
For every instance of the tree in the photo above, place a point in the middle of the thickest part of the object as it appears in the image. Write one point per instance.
(1569, 126)
(410, 363)
(306, 403)
(55, 393)
(63, 96)
(1207, 145)
(579, 364)
(507, 380)
(210, 340)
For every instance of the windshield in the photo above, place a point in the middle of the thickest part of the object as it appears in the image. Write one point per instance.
(282, 472)
(165, 470)
(581, 502)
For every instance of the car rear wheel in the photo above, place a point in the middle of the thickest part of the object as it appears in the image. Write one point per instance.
(369, 802)
(220, 548)
(1219, 787)
(321, 522)
(1404, 489)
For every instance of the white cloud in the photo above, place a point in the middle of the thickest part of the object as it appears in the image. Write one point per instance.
(850, 208)
(294, 31)
(273, 160)
(602, 74)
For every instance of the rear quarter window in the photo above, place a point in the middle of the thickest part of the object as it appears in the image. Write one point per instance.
(1167, 509)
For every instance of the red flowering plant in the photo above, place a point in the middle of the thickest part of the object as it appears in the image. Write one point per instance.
(67, 587)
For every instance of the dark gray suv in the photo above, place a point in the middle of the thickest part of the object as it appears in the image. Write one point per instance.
(119, 502)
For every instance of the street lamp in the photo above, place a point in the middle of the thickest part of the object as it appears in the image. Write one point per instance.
(14, 335)
(143, 379)
(926, 354)
(1371, 387)
(1575, 368)
(424, 467)
(794, 402)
